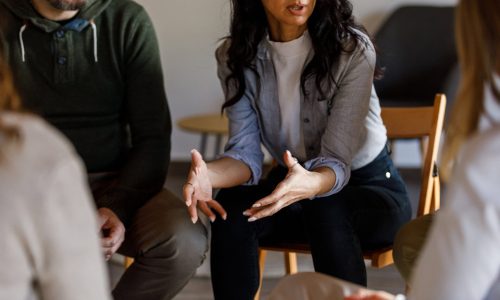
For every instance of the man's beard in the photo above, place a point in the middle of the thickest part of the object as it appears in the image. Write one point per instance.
(68, 4)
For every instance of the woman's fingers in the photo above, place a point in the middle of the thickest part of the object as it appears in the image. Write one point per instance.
(279, 192)
(207, 207)
(267, 211)
(218, 208)
(196, 159)
(272, 198)
(187, 192)
(193, 213)
(206, 210)
(290, 161)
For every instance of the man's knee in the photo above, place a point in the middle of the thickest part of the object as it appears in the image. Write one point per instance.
(163, 231)
(408, 244)
(182, 245)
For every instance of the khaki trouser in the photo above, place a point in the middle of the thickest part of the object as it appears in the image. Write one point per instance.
(409, 242)
(167, 248)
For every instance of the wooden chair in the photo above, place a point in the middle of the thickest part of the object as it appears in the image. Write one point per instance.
(401, 123)
(127, 261)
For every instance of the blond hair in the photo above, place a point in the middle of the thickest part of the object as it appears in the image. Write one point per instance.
(478, 40)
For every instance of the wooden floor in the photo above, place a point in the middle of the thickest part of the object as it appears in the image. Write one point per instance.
(199, 288)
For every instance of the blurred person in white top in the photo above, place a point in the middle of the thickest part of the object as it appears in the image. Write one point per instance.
(47, 248)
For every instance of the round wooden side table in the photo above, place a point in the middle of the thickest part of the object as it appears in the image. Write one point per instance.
(206, 124)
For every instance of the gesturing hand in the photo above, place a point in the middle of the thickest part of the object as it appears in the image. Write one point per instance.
(370, 295)
(113, 231)
(298, 184)
(197, 190)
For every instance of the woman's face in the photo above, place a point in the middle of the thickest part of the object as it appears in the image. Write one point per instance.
(288, 14)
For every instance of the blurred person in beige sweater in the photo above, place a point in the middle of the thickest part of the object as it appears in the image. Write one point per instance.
(49, 244)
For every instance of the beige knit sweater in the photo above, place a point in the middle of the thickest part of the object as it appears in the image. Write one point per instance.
(49, 247)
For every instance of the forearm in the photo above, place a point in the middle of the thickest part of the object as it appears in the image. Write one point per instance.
(141, 177)
(228, 172)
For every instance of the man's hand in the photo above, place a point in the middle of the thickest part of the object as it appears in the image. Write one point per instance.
(113, 231)
(197, 191)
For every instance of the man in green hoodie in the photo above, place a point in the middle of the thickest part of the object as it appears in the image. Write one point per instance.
(92, 69)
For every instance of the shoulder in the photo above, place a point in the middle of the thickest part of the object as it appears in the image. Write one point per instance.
(478, 166)
(125, 5)
(482, 149)
(221, 52)
(126, 11)
(40, 145)
(360, 46)
(34, 165)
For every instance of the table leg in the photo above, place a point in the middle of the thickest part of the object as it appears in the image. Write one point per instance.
(203, 145)
(218, 140)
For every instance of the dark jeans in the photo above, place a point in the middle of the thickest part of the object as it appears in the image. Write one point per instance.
(364, 215)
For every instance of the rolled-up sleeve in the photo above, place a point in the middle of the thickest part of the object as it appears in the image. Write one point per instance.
(341, 170)
(244, 143)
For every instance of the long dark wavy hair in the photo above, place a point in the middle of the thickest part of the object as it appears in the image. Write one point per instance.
(329, 26)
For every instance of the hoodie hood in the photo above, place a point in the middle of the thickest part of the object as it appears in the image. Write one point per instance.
(25, 11)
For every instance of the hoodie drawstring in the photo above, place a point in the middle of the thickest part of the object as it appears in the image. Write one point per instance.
(94, 34)
(25, 25)
(21, 41)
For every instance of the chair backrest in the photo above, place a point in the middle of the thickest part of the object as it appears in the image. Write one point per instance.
(416, 49)
(421, 122)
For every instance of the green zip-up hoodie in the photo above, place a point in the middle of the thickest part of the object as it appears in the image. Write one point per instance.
(98, 79)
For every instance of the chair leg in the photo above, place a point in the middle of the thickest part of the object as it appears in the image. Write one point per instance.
(380, 260)
(436, 194)
(291, 263)
(262, 263)
(127, 261)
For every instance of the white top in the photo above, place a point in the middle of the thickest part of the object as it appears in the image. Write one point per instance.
(49, 243)
(461, 259)
(289, 59)
(491, 106)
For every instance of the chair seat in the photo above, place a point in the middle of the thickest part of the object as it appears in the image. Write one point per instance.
(379, 258)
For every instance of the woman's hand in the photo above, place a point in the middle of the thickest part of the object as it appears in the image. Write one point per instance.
(298, 184)
(197, 190)
(370, 295)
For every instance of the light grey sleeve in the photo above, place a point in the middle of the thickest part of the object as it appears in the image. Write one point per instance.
(346, 131)
(244, 143)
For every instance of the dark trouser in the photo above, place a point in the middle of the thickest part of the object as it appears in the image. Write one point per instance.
(365, 215)
(166, 246)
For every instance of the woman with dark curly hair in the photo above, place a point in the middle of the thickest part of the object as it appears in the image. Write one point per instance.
(298, 78)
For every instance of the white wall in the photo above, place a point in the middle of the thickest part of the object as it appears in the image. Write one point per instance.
(188, 31)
